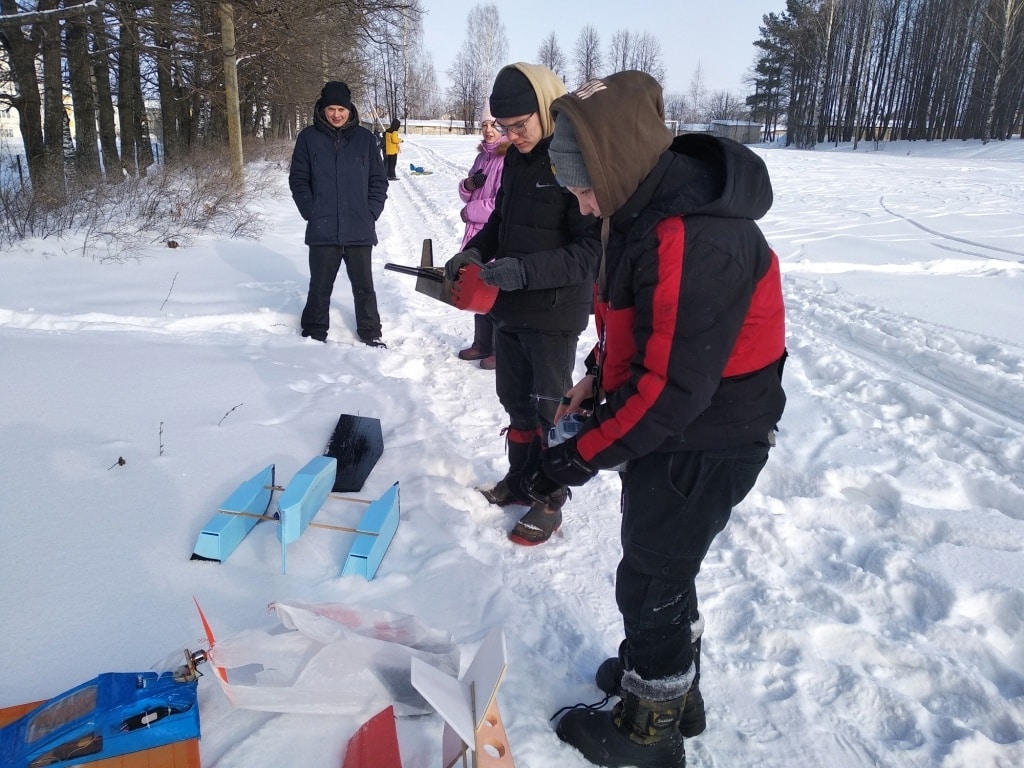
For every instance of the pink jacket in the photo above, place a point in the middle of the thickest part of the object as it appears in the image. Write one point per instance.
(480, 202)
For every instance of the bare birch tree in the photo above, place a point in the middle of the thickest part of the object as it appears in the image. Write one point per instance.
(587, 60)
(551, 56)
(483, 53)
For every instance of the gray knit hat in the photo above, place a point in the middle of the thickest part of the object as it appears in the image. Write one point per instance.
(566, 158)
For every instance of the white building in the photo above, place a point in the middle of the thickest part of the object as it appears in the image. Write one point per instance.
(10, 133)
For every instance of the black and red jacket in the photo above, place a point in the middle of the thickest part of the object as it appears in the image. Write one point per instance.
(690, 313)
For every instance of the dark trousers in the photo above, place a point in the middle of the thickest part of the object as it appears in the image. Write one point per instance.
(324, 262)
(483, 334)
(533, 363)
(673, 506)
(392, 165)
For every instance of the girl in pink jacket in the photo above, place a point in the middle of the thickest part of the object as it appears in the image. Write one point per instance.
(478, 191)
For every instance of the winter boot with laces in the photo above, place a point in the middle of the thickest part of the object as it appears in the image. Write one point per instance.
(518, 454)
(536, 526)
(641, 730)
(693, 721)
(543, 519)
(501, 495)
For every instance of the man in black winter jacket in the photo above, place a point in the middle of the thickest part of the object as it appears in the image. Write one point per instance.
(684, 387)
(339, 185)
(542, 254)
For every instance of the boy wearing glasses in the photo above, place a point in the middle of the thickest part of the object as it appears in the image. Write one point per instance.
(541, 253)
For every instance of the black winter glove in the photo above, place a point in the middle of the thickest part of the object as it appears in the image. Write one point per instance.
(546, 472)
(563, 464)
(476, 181)
(530, 482)
(506, 274)
(460, 260)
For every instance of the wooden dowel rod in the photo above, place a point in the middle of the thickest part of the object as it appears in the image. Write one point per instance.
(338, 496)
(312, 524)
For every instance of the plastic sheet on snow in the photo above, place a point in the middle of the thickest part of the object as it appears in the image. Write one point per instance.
(331, 658)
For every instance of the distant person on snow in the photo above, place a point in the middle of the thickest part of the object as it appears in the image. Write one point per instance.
(478, 191)
(338, 183)
(684, 385)
(391, 142)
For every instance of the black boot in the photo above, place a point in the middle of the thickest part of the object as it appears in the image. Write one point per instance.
(694, 720)
(501, 494)
(641, 730)
(543, 519)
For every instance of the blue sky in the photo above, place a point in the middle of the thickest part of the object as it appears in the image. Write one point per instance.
(691, 33)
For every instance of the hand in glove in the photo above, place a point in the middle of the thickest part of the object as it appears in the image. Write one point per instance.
(506, 274)
(563, 464)
(475, 181)
(460, 260)
(464, 214)
(545, 472)
(530, 482)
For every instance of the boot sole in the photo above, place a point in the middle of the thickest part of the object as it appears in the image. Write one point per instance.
(523, 542)
(600, 751)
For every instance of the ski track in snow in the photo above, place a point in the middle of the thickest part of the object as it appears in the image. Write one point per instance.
(841, 628)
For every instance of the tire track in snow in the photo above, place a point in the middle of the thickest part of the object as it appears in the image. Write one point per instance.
(983, 375)
(944, 236)
(947, 407)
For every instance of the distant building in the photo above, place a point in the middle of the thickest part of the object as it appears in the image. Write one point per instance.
(10, 133)
(742, 131)
(434, 127)
(681, 128)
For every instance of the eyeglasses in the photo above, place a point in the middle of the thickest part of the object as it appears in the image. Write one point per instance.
(518, 129)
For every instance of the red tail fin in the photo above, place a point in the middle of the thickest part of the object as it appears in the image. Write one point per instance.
(375, 743)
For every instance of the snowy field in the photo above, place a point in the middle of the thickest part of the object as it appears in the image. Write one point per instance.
(865, 605)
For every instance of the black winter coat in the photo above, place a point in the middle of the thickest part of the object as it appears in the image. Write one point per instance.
(338, 181)
(539, 222)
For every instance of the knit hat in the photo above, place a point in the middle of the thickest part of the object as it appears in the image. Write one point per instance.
(512, 94)
(486, 115)
(566, 157)
(619, 152)
(336, 94)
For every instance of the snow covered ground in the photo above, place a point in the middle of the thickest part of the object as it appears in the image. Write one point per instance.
(865, 605)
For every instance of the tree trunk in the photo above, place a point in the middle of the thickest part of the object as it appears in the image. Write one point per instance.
(104, 99)
(1005, 21)
(143, 136)
(21, 51)
(54, 116)
(163, 36)
(87, 156)
(227, 30)
(125, 92)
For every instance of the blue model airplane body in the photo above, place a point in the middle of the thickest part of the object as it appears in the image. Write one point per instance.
(116, 713)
